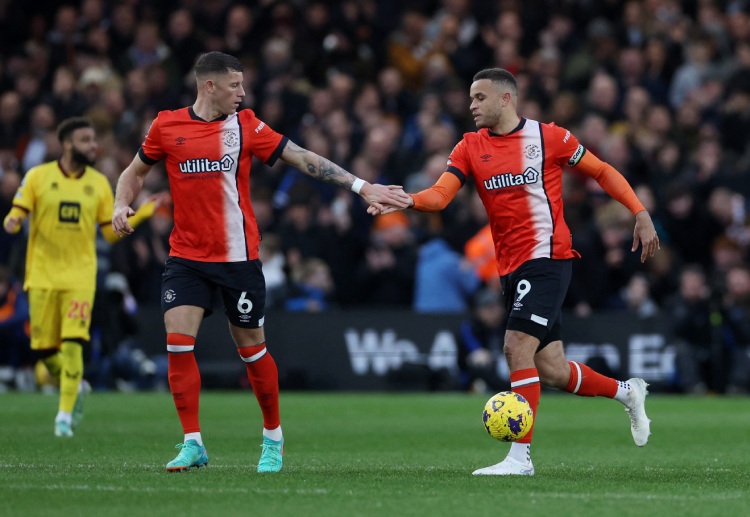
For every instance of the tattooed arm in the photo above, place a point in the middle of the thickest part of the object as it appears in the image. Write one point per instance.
(325, 170)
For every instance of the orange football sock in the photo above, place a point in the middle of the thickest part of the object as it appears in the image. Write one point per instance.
(585, 382)
(526, 383)
(264, 378)
(184, 380)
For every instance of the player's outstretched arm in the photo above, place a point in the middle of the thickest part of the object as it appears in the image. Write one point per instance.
(432, 199)
(325, 170)
(128, 187)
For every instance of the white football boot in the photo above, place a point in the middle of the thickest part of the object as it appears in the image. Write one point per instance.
(640, 425)
(508, 467)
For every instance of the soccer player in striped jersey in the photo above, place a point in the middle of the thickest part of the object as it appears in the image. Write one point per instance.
(208, 148)
(67, 200)
(517, 167)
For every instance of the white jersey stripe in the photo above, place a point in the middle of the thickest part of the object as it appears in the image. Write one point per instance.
(234, 229)
(539, 208)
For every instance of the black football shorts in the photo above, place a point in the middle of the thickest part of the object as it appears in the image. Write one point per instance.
(534, 295)
(241, 284)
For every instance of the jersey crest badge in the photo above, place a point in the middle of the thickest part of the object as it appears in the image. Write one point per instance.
(231, 139)
(532, 151)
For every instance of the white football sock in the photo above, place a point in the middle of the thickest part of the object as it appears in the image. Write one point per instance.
(273, 434)
(64, 416)
(520, 452)
(194, 436)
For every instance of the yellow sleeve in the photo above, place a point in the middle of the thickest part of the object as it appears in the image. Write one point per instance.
(144, 212)
(15, 212)
(25, 197)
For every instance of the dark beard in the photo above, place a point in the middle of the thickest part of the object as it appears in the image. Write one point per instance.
(81, 159)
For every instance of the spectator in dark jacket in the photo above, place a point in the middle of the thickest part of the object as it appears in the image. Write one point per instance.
(480, 355)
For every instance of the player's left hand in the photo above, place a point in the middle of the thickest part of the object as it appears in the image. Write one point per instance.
(382, 196)
(645, 234)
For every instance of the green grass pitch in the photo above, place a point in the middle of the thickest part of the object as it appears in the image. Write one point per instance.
(374, 454)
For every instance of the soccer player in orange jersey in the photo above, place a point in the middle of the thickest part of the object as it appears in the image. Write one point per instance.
(208, 148)
(517, 167)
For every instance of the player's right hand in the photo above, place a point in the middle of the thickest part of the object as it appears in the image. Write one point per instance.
(120, 223)
(387, 208)
(382, 196)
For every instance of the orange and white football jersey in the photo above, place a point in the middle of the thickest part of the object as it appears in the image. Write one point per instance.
(519, 179)
(208, 164)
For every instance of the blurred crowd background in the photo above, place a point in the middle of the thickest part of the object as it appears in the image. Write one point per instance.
(660, 89)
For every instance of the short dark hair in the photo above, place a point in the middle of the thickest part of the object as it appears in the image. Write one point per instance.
(212, 63)
(67, 126)
(498, 75)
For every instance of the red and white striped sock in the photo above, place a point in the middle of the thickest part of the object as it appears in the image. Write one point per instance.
(526, 383)
(585, 382)
(264, 378)
(184, 380)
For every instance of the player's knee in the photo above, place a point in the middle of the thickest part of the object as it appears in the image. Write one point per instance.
(72, 348)
(519, 349)
(244, 337)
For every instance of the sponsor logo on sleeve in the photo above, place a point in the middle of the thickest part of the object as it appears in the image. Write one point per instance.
(576, 156)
